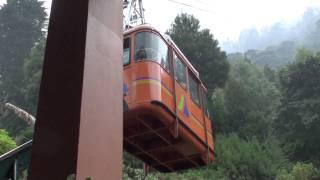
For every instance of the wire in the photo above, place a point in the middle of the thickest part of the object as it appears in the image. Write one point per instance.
(184, 4)
(188, 5)
(202, 2)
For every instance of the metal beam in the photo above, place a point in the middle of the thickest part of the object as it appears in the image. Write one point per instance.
(79, 121)
(169, 143)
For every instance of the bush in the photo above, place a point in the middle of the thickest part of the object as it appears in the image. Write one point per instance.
(6, 142)
(300, 171)
(241, 159)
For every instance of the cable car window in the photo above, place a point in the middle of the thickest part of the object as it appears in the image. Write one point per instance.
(180, 71)
(126, 51)
(194, 90)
(149, 46)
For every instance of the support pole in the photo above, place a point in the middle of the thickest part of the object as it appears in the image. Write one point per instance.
(15, 170)
(78, 131)
(146, 169)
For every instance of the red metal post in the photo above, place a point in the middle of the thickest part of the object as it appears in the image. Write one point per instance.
(79, 121)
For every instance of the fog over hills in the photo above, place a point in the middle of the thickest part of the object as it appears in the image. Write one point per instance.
(274, 35)
(278, 44)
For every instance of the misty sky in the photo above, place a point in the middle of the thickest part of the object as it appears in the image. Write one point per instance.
(225, 18)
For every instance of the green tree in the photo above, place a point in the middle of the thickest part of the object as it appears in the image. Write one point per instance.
(201, 49)
(21, 27)
(298, 123)
(6, 142)
(32, 76)
(270, 73)
(247, 105)
(22, 23)
(218, 111)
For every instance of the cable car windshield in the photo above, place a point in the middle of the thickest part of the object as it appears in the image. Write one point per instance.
(149, 46)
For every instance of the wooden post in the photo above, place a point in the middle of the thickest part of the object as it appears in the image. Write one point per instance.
(78, 131)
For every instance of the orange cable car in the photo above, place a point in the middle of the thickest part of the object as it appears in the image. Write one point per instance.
(167, 123)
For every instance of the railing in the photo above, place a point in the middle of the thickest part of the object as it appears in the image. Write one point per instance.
(15, 161)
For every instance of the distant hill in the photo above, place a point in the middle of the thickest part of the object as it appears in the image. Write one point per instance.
(277, 45)
(273, 56)
(275, 34)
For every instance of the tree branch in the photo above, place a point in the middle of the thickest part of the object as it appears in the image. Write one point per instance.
(21, 113)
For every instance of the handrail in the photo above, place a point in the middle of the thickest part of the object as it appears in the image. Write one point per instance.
(15, 151)
(12, 162)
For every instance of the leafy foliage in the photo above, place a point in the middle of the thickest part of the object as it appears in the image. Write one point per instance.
(247, 104)
(299, 171)
(201, 49)
(299, 116)
(240, 159)
(6, 142)
(131, 161)
(32, 74)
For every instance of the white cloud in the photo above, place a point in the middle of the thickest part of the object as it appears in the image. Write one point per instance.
(225, 18)
(2, 1)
